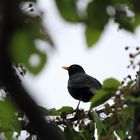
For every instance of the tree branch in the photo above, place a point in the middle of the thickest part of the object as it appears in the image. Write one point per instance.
(136, 123)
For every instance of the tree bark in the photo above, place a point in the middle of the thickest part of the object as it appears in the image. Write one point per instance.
(136, 123)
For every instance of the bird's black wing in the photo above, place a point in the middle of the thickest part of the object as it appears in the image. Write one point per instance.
(82, 80)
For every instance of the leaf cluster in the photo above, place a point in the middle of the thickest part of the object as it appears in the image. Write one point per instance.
(97, 13)
(95, 16)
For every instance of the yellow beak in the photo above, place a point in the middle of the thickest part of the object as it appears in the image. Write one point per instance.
(66, 68)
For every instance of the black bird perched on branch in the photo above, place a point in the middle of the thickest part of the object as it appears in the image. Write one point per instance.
(81, 86)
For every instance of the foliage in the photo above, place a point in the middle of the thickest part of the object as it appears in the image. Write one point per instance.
(117, 99)
(24, 40)
(95, 17)
(97, 14)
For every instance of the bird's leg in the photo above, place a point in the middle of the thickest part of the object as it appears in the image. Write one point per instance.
(78, 103)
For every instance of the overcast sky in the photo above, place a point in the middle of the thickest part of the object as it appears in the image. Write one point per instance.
(106, 59)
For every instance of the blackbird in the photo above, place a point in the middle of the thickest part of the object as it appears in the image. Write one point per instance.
(81, 86)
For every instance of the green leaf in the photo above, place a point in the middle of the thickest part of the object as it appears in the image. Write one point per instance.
(108, 90)
(46, 112)
(136, 21)
(23, 48)
(127, 117)
(127, 111)
(130, 83)
(8, 119)
(96, 20)
(124, 21)
(58, 132)
(71, 134)
(9, 135)
(99, 125)
(100, 97)
(92, 35)
(68, 10)
(120, 133)
(132, 99)
(55, 112)
(111, 84)
(66, 109)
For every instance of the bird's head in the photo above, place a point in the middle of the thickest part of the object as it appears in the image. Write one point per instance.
(74, 69)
